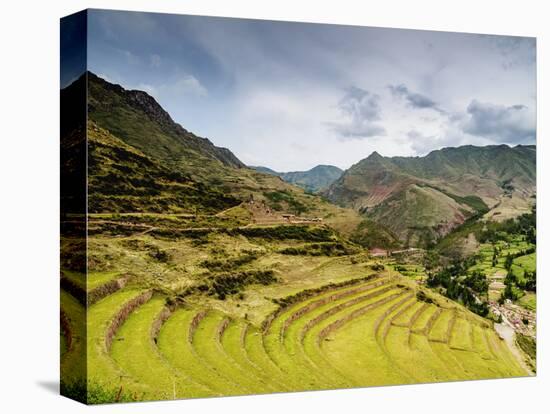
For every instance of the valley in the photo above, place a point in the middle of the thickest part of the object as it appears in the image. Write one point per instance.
(204, 277)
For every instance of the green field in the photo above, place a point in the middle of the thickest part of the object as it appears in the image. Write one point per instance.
(371, 331)
(497, 271)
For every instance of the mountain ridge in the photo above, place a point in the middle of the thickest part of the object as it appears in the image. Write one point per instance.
(315, 179)
(158, 165)
(105, 102)
(140, 161)
(423, 198)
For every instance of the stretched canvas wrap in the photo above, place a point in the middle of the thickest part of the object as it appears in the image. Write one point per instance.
(253, 206)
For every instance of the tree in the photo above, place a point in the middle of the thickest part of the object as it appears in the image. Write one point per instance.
(509, 262)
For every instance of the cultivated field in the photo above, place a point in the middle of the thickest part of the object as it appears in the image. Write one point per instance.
(330, 321)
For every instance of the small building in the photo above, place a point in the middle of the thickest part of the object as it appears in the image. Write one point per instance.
(377, 252)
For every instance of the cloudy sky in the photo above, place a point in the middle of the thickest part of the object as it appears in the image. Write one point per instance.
(290, 96)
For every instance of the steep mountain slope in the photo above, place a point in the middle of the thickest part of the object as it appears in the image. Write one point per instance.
(137, 119)
(317, 179)
(121, 178)
(140, 161)
(423, 198)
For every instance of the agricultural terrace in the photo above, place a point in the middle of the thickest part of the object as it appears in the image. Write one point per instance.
(175, 311)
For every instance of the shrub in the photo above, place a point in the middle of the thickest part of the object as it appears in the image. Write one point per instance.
(318, 249)
(275, 199)
(305, 233)
(160, 255)
(229, 264)
(421, 296)
(230, 284)
(527, 344)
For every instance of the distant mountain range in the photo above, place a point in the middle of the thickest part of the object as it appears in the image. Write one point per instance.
(422, 198)
(314, 180)
(139, 159)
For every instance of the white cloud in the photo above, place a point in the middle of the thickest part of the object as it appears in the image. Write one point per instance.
(510, 124)
(272, 92)
(360, 110)
(188, 84)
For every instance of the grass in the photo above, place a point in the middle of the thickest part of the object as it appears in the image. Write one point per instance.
(94, 279)
(295, 321)
(207, 346)
(63, 347)
(256, 353)
(315, 341)
(337, 322)
(346, 350)
(101, 368)
(461, 337)
(175, 344)
(528, 345)
(405, 317)
(524, 263)
(529, 301)
(73, 360)
(439, 331)
(316, 315)
(414, 271)
(135, 351)
(412, 355)
(422, 323)
(233, 343)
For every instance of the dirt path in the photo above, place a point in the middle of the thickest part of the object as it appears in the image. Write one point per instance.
(507, 333)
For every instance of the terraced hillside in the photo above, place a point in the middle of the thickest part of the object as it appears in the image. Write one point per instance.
(189, 275)
(364, 331)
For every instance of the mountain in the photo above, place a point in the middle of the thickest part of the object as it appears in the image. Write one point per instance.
(122, 178)
(317, 179)
(136, 118)
(141, 161)
(422, 198)
(178, 171)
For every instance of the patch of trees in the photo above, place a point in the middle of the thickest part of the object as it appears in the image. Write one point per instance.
(370, 234)
(232, 283)
(275, 199)
(529, 281)
(511, 281)
(524, 225)
(470, 289)
(217, 265)
(513, 284)
(318, 249)
(431, 259)
(305, 233)
(293, 232)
